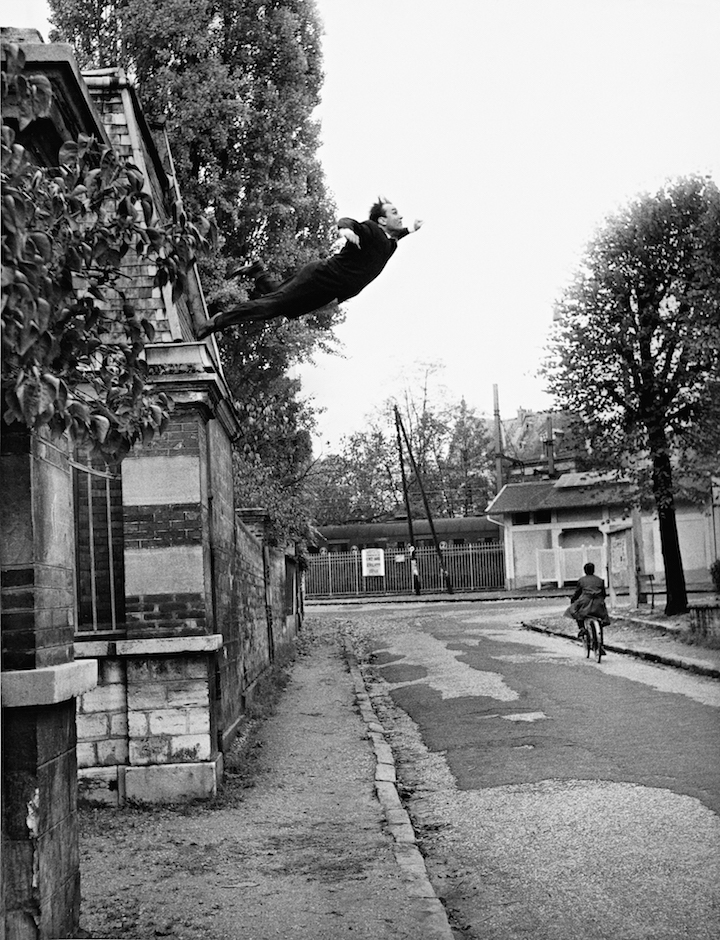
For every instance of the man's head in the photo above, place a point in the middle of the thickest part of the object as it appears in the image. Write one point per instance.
(589, 568)
(386, 216)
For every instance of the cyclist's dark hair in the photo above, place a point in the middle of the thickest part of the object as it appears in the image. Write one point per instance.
(589, 568)
(377, 209)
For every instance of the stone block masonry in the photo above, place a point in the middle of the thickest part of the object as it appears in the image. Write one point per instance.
(147, 731)
(168, 711)
(102, 720)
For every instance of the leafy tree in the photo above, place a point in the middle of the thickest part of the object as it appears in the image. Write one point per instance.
(467, 466)
(450, 443)
(237, 82)
(636, 349)
(451, 446)
(71, 341)
(360, 484)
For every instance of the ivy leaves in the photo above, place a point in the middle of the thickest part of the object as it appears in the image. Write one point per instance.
(74, 236)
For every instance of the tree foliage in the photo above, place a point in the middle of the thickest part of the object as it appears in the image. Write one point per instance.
(636, 350)
(237, 82)
(452, 451)
(71, 341)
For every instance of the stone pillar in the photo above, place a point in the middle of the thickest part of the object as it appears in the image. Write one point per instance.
(40, 682)
(172, 491)
(167, 560)
(160, 682)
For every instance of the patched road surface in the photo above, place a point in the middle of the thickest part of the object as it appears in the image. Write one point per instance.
(554, 798)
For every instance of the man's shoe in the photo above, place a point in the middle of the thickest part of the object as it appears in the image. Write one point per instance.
(253, 270)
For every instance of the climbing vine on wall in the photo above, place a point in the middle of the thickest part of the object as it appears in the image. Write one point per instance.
(72, 342)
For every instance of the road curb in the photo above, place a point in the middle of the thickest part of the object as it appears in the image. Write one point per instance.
(657, 658)
(407, 854)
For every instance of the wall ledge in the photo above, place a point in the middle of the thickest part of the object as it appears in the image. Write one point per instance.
(49, 685)
(151, 646)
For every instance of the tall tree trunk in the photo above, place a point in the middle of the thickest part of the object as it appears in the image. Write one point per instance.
(676, 597)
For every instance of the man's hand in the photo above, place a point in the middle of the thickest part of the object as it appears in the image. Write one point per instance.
(349, 235)
(418, 223)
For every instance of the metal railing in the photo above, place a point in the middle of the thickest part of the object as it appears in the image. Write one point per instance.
(470, 567)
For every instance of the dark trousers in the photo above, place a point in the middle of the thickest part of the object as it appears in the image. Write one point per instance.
(294, 297)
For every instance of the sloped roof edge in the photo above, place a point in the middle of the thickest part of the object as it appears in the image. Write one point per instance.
(556, 494)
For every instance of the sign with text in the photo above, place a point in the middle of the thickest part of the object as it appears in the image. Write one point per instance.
(373, 563)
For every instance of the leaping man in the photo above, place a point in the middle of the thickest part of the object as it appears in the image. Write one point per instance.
(368, 247)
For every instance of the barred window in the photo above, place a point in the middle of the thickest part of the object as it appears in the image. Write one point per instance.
(100, 575)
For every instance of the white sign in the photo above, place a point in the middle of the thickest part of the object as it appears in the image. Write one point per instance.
(373, 563)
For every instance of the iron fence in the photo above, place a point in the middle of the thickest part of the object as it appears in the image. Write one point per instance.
(470, 568)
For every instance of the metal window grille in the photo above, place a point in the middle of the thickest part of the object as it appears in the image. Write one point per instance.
(471, 568)
(99, 568)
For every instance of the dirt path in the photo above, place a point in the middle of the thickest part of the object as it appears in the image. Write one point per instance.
(294, 847)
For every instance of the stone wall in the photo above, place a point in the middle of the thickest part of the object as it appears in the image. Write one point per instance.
(40, 681)
(207, 610)
(705, 622)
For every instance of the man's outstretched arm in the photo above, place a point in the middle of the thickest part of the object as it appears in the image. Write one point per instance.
(346, 227)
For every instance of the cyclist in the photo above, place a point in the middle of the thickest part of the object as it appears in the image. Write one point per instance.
(588, 599)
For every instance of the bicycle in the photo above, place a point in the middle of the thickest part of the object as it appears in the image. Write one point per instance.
(592, 637)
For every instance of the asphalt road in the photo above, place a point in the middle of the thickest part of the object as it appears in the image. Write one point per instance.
(554, 798)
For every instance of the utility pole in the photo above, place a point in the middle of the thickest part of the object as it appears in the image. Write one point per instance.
(550, 446)
(498, 442)
(438, 550)
(414, 570)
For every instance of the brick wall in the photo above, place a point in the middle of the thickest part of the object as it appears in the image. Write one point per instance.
(167, 532)
(116, 103)
(180, 614)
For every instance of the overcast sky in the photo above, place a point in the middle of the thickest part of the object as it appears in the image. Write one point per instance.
(512, 127)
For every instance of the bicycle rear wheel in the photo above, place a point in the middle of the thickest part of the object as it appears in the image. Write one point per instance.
(593, 628)
(600, 651)
(586, 640)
